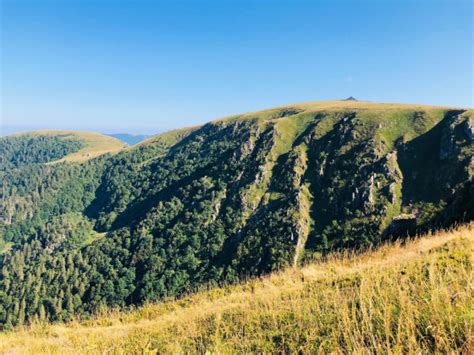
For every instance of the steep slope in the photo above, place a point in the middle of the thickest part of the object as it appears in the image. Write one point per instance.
(239, 196)
(405, 298)
(27, 175)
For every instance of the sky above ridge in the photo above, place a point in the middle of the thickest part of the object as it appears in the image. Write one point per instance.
(148, 66)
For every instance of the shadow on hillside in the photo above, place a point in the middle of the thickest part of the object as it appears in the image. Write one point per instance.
(436, 186)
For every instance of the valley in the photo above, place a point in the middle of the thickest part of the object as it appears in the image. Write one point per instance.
(88, 223)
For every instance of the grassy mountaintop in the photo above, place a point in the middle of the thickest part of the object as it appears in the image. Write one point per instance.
(357, 104)
(410, 297)
(340, 105)
(174, 136)
(95, 144)
(98, 144)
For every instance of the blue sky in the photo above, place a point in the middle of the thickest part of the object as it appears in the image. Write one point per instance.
(147, 66)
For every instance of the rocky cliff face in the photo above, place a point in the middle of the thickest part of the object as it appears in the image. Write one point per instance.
(293, 180)
(246, 195)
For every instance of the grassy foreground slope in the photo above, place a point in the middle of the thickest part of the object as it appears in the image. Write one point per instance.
(415, 297)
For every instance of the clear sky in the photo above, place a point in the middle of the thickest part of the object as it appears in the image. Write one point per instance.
(146, 66)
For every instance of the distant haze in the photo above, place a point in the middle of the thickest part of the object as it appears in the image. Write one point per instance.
(130, 139)
(134, 135)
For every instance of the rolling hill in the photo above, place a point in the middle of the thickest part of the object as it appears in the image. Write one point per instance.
(240, 196)
(85, 145)
(95, 144)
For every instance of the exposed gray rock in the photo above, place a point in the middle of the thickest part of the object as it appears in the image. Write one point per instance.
(392, 192)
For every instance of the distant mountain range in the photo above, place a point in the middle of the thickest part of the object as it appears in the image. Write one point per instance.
(130, 139)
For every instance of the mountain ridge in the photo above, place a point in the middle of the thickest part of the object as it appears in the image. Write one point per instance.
(309, 105)
(243, 195)
(95, 144)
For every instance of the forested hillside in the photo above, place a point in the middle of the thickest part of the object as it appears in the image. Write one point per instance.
(410, 297)
(16, 151)
(239, 196)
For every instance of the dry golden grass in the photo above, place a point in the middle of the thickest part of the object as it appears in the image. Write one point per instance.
(416, 297)
(338, 105)
(171, 137)
(96, 144)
